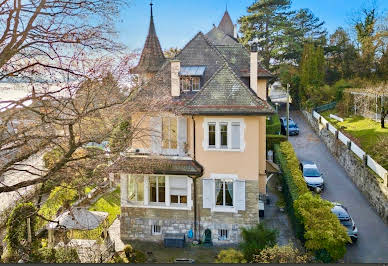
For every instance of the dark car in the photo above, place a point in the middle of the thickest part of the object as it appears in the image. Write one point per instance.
(292, 126)
(312, 176)
(346, 220)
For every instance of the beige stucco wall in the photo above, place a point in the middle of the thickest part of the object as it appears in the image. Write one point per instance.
(249, 164)
(246, 165)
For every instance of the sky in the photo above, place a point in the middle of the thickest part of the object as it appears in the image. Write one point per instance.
(177, 21)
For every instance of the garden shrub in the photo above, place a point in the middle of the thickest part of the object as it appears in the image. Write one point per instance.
(273, 125)
(274, 139)
(230, 256)
(256, 239)
(323, 229)
(311, 216)
(66, 255)
(282, 254)
(16, 232)
(133, 255)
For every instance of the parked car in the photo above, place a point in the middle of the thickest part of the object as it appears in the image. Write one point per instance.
(346, 220)
(312, 176)
(292, 126)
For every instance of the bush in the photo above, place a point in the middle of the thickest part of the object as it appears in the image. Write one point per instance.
(282, 254)
(230, 256)
(66, 255)
(16, 233)
(134, 256)
(323, 229)
(256, 239)
(273, 125)
(274, 139)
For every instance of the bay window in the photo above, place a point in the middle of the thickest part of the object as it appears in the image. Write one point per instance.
(159, 191)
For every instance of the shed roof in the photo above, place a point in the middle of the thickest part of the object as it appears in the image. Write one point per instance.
(79, 219)
(192, 70)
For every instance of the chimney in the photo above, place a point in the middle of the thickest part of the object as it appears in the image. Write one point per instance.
(175, 86)
(253, 67)
(235, 31)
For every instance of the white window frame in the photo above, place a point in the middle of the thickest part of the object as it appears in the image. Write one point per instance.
(222, 232)
(191, 81)
(218, 208)
(218, 122)
(155, 231)
(169, 150)
(155, 205)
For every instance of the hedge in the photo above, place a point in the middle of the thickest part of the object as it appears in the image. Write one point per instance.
(274, 139)
(273, 125)
(311, 216)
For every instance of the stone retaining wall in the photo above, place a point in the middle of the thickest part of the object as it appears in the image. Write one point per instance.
(367, 182)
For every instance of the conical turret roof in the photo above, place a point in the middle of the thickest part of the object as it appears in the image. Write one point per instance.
(152, 56)
(226, 24)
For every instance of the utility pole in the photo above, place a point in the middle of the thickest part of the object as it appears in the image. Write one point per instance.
(288, 109)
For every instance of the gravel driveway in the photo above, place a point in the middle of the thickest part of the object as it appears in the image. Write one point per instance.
(372, 245)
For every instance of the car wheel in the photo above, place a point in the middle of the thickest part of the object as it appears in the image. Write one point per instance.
(354, 239)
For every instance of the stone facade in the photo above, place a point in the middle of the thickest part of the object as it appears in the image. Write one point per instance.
(136, 223)
(367, 182)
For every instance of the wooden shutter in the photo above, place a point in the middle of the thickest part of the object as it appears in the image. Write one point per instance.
(182, 134)
(240, 195)
(207, 192)
(156, 134)
(235, 135)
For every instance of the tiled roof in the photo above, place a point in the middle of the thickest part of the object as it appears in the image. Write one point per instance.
(226, 93)
(159, 166)
(218, 37)
(152, 56)
(226, 24)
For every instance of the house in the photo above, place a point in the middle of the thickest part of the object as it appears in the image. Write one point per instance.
(203, 165)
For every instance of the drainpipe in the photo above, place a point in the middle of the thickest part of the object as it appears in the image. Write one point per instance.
(196, 233)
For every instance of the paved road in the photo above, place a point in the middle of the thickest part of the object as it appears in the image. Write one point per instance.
(372, 245)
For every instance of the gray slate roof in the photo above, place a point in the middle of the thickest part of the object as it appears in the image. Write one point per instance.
(218, 37)
(226, 24)
(225, 93)
(152, 57)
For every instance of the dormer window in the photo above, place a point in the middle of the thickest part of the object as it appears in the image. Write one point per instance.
(190, 78)
(190, 83)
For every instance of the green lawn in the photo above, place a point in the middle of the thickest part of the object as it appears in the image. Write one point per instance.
(109, 203)
(366, 132)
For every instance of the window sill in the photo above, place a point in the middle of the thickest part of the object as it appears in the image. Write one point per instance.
(224, 209)
(173, 206)
(224, 149)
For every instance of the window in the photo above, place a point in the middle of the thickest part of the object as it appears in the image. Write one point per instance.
(190, 83)
(222, 234)
(224, 134)
(178, 190)
(156, 230)
(169, 133)
(135, 188)
(157, 189)
(224, 192)
(212, 135)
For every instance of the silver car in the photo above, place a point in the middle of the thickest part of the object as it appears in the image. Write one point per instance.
(346, 220)
(312, 176)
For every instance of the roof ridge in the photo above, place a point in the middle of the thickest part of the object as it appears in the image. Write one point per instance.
(187, 44)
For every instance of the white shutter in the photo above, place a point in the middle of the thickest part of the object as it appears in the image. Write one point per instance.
(235, 135)
(240, 195)
(178, 185)
(182, 134)
(207, 192)
(156, 134)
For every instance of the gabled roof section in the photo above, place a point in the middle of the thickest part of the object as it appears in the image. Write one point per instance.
(226, 24)
(218, 37)
(152, 56)
(200, 52)
(225, 93)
